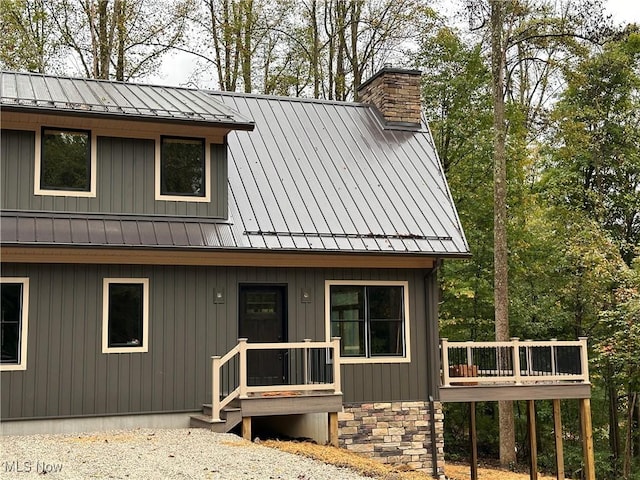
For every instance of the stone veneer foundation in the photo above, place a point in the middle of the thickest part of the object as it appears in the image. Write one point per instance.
(398, 433)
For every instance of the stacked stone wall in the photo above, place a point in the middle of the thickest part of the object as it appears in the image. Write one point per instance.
(397, 433)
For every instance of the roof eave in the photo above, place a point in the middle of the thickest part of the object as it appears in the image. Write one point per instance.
(242, 249)
(231, 125)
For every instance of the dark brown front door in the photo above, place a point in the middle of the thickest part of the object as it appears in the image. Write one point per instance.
(263, 319)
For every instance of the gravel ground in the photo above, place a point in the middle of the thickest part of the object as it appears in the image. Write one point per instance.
(156, 454)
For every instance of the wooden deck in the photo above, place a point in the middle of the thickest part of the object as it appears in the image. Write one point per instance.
(515, 370)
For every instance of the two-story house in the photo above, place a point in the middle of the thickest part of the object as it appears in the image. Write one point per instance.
(146, 229)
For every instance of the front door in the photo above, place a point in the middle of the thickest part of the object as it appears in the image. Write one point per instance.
(263, 319)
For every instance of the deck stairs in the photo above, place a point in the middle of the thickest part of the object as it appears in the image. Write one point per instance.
(230, 416)
(275, 403)
(313, 386)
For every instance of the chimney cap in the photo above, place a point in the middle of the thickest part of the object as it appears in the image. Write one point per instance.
(388, 69)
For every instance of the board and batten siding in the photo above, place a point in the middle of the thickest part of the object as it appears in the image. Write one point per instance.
(125, 180)
(68, 375)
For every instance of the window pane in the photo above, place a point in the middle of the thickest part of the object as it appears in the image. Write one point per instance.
(182, 170)
(125, 314)
(65, 160)
(351, 338)
(347, 302)
(386, 337)
(347, 319)
(385, 303)
(262, 302)
(10, 322)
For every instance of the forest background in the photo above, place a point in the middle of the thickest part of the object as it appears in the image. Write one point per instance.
(568, 81)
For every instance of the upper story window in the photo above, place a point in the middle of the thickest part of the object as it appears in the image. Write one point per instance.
(14, 306)
(65, 165)
(371, 318)
(183, 169)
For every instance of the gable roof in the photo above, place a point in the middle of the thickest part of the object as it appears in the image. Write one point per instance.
(312, 176)
(323, 175)
(33, 92)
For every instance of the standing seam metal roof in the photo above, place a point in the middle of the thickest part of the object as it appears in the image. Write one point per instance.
(314, 175)
(79, 96)
(323, 175)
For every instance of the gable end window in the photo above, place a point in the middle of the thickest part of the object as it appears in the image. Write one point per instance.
(371, 319)
(125, 315)
(14, 306)
(65, 163)
(183, 169)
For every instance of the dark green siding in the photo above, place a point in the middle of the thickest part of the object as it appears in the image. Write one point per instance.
(67, 374)
(125, 180)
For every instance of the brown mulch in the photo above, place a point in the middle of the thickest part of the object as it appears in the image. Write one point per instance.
(463, 472)
(372, 468)
(343, 458)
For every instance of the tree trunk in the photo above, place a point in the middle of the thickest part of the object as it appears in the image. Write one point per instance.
(315, 48)
(246, 47)
(216, 44)
(103, 41)
(356, 69)
(119, 11)
(341, 12)
(501, 293)
(614, 428)
(628, 444)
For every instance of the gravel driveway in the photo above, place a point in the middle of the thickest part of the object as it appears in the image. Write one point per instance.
(156, 454)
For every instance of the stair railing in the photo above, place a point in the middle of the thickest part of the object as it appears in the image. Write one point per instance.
(243, 390)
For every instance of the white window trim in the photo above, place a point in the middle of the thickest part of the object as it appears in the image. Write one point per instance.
(93, 148)
(145, 316)
(24, 324)
(206, 174)
(387, 283)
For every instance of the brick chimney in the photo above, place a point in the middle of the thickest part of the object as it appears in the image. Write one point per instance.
(395, 92)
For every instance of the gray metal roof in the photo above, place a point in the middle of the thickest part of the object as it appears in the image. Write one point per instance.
(40, 228)
(321, 175)
(87, 97)
(313, 176)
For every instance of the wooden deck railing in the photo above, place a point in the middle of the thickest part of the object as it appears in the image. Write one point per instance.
(515, 362)
(310, 366)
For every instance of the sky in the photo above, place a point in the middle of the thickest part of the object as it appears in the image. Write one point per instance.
(176, 68)
(624, 10)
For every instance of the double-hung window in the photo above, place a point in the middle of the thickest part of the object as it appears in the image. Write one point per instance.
(66, 163)
(14, 315)
(125, 315)
(371, 318)
(182, 170)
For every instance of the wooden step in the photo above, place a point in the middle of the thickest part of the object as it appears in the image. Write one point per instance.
(229, 418)
(207, 409)
(204, 421)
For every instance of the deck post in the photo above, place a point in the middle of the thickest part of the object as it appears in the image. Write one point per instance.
(587, 439)
(333, 429)
(215, 388)
(584, 359)
(242, 343)
(246, 428)
(473, 437)
(516, 360)
(557, 429)
(337, 385)
(445, 361)
(533, 443)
